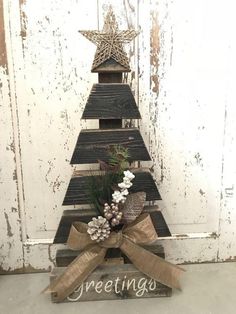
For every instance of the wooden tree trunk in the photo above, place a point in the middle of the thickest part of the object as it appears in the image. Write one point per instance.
(110, 77)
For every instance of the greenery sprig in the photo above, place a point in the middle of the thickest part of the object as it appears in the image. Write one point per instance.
(101, 187)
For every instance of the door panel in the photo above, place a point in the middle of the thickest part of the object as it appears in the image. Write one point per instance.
(184, 95)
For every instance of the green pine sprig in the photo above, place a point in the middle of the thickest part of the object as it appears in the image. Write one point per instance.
(100, 188)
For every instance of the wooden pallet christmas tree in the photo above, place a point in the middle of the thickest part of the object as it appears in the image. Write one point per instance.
(110, 101)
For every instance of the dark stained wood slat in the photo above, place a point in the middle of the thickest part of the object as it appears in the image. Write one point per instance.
(110, 124)
(110, 66)
(93, 145)
(65, 257)
(85, 215)
(110, 77)
(111, 101)
(77, 192)
(160, 224)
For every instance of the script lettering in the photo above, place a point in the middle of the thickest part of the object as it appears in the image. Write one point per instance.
(117, 285)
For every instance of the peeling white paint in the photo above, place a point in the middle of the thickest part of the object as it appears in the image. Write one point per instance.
(11, 255)
(187, 108)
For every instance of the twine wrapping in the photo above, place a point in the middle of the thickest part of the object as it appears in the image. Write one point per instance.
(110, 42)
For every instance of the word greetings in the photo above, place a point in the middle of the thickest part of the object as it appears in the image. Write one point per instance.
(139, 286)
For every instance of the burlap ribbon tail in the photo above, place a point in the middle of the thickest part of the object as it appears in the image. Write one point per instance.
(141, 231)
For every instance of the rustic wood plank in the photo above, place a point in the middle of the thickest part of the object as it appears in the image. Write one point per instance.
(111, 101)
(110, 124)
(93, 145)
(12, 255)
(77, 191)
(65, 257)
(110, 65)
(86, 215)
(110, 77)
(113, 261)
(160, 224)
(112, 282)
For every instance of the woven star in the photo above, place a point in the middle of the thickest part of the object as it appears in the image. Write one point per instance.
(110, 42)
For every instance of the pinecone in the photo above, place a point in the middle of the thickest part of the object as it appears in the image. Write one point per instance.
(99, 229)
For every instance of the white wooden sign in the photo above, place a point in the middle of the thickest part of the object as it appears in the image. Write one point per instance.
(112, 282)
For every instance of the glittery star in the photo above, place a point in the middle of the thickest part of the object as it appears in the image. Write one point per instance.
(110, 42)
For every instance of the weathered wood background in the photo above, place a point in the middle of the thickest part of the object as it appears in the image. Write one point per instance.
(183, 76)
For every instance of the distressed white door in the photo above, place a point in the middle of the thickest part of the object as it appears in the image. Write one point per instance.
(183, 70)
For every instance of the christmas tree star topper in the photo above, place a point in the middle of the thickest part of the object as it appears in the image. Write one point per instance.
(110, 42)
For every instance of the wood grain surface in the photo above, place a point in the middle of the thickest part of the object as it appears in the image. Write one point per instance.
(113, 282)
(85, 215)
(94, 144)
(77, 191)
(111, 101)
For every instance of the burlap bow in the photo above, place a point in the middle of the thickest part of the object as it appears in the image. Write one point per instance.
(141, 231)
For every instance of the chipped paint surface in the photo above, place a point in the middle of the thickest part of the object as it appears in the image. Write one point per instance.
(3, 52)
(186, 103)
(155, 50)
(11, 253)
(9, 230)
